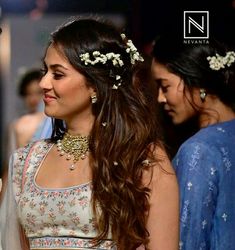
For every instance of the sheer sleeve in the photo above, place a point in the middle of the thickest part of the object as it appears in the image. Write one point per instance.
(12, 236)
(196, 168)
(10, 228)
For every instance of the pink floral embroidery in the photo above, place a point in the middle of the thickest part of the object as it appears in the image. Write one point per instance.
(54, 212)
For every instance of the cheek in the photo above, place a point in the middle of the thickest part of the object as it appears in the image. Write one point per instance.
(188, 108)
(174, 97)
(80, 95)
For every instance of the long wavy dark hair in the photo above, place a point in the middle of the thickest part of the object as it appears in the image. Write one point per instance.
(129, 136)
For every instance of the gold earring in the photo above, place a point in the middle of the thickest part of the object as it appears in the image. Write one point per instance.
(93, 99)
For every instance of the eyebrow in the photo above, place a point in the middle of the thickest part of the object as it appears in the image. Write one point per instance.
(160, 79)
(55, 66)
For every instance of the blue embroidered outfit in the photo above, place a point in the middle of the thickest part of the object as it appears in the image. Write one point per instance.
(51, 218)
(205, 167)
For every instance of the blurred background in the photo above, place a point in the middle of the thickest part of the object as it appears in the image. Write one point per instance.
(26, 25)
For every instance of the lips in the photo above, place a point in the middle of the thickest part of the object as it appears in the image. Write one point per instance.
(169, 111)
(48, 98)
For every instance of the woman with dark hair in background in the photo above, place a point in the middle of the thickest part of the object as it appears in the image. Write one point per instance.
(24, 127)
(197, 81)
(103, 180)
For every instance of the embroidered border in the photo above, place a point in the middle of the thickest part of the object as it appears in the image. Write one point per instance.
(66, 242)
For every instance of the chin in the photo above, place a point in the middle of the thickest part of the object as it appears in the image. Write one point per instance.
(54, 115)
(177, 121)
(49, 113)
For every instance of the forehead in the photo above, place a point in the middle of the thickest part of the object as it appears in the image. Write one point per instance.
(163, 76)
(54, 54)
(159, 70)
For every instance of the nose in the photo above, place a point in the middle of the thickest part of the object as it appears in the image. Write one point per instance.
(45, 82)
(161, 97)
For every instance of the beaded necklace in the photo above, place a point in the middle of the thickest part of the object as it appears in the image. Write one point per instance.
(74, 147)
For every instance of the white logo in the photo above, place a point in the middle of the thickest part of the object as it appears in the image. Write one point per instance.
(196, 24)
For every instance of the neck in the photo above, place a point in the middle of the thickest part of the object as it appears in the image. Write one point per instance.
(215, 112)
(80, 127)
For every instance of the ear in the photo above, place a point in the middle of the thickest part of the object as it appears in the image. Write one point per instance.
(181, 85)
(92, 91)
(198, 96)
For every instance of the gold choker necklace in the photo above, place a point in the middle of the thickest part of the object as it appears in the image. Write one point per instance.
(74, 146)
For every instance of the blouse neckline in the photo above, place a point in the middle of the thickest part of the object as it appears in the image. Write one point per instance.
(39, 162)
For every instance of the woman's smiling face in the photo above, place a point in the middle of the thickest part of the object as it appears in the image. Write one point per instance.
(66, 92)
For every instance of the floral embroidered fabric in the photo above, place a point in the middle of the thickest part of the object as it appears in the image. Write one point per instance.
(52, 218)
(205, 167)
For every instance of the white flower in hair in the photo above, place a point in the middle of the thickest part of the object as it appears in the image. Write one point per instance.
(97, 57)
(123, 36)
(115, 58)
(102, 58)
(218, 62)
(132, 50)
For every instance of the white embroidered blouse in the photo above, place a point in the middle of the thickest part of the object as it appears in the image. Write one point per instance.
(52, 218)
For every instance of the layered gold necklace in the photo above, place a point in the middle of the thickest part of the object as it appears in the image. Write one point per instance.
(74, 147)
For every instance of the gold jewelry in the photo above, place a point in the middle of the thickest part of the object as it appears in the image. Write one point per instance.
(74, 146)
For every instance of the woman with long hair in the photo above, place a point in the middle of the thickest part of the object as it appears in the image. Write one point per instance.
(103, 180)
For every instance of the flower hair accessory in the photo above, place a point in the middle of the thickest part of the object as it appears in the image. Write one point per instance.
(218, 62)
(132, 50)
(97, 57)
(102, 58)
(119, 82)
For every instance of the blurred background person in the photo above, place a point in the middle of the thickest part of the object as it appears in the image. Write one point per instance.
(28, 126)
(33, 124)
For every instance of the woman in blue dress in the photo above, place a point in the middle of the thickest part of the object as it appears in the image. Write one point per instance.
(197, 81)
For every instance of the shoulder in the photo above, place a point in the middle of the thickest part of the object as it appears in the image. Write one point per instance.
(198, 159)
(19, 156)
(16, 167)
(196, 152)
(22, 120)
(211, 139)
(216, 133)
(18, 161)
(160, 171)
(204, 142)
(28, 119)
(163, 217)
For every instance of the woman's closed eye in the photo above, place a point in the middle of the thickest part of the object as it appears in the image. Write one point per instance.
(57, 75)
(164, 88)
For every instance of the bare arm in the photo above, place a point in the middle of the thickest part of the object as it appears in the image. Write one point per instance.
(163, 220)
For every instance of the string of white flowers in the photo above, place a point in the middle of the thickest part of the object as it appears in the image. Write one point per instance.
(218, 62)
(102, 58)
(115, 58)
(97, 57)
(132, 50)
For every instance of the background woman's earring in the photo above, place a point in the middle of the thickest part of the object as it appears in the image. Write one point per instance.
(93, 98)
(203, 94)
